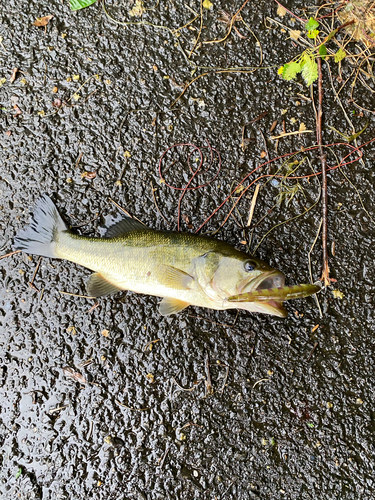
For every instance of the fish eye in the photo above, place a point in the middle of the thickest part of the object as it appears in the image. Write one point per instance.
(249, 266)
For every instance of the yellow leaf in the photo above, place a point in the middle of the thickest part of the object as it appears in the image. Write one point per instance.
(302, 127)
(127, 154)
(337, 294)
(280, 70)
(75, 78)
(281, 11)
(207, 4)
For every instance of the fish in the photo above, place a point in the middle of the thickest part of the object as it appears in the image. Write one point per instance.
(182, 268)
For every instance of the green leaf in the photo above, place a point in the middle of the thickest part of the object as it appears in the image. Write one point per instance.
(340, 55)
(19, 472)
(291, 70)
(311, 24)
(80, 4)
(331, 35)
(322, 51)
(313, 33)
(309, 70)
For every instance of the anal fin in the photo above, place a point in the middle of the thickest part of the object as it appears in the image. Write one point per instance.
(98, 286)
(171, 306)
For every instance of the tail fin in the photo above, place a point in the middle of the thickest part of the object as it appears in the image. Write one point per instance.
(40, 236)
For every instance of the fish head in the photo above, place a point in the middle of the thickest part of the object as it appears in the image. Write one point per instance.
(228, 275)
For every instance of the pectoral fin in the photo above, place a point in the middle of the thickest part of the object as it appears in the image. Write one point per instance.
(171, 306)
(177, 279)
(98, 286)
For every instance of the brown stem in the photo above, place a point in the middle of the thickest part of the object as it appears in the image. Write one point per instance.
(323, 159)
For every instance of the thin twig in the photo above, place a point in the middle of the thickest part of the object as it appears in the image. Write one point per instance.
(323, 159)
(310, 271)
(252, 206)
(312, 351)
(31, 283)
(10, 254)
(77, 295)
(156, 205)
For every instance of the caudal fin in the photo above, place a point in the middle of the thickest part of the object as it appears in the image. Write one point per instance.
(40, 236)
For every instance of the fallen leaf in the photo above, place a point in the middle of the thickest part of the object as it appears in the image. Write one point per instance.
(55, 90)
(263, 154)
(70, 373)
(337, 294)
(207, 4)
(2, 81)
(42, 21)
(138, 9)
(88, 175)
(294, 34)
(76, 97)
(281, 11)
(18, 111)
(8, 133)
(302, 127)
(273, 126)
(75, 78)
(13, 76)
(105, 333)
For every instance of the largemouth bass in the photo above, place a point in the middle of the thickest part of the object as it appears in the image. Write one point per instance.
(184, 269)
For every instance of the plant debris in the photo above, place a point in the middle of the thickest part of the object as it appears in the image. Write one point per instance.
(42, 21)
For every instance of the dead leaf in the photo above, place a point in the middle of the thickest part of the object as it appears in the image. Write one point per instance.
(8, 133)
(42, 21)
(13, 75)
(88, 175)
(18, 111)
(302, 127)
(263, 154)
(337, 294)
(294, 34)
(273, 126)
(187, 221)
(77, 377)
(281, 11)
(55, 90)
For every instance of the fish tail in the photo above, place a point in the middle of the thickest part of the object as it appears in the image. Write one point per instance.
(41, 235)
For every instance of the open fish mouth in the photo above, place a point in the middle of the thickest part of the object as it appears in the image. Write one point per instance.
(274, 279)
(269, 294)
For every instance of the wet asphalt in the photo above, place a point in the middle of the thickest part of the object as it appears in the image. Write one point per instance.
(105, 398)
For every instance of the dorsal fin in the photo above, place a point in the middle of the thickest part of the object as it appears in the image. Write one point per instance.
(124, 226)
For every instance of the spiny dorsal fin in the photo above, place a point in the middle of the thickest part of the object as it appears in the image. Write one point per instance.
(124, 226)
(175, 278)
(171, 306)
(98, 286)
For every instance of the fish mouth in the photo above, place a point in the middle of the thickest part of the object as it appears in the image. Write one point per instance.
(272, 306)
(268, 294)
(274, 279)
